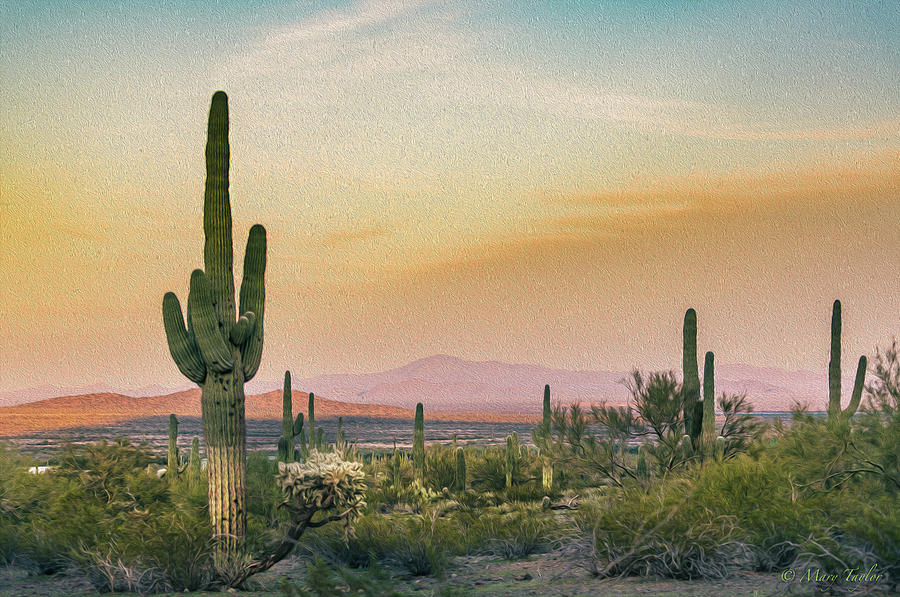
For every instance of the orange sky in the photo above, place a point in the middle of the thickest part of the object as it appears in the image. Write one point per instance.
(431, 182)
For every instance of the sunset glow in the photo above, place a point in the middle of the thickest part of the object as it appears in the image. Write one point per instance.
(552, 184)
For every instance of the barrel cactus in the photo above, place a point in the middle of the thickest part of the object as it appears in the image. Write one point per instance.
(220, 349)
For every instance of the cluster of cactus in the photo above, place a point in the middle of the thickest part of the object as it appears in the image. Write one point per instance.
(699, 415)
(220, 349)
(291, 428)
(512, 459)
(834, 373)
(418, 450)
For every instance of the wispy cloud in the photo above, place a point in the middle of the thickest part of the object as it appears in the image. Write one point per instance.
(451, 63)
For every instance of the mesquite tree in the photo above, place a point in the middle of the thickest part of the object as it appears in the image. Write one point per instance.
(220, 349)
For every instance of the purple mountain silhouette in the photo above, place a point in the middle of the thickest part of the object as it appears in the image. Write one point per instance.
(448, 384)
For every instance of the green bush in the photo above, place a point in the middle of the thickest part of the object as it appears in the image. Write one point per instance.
(440, 467)
(322, 580)
(666, 532)
(417, 544)
(758, 496)
(512, 535)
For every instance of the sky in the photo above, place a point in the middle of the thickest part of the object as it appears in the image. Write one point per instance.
(549, 182)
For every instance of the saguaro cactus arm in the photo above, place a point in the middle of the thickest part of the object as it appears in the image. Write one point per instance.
(253, 299)
(182, 345)
(858, 384)
(216, 353)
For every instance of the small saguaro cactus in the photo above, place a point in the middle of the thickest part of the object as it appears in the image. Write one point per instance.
(194, 463)
(220, 349)
(418, 450)
(174, 458)
(709, 406)
(834, 373)
(311, 416)
(460, 478)
(691, 375)
(512, 458)
(290, 427)
(642, 471)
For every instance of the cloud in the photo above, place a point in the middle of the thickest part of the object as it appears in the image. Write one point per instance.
(453, 63)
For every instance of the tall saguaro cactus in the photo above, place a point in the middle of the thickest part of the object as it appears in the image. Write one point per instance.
(709, 407)
(546, 460)
(220, 349)
(691, 374)
(418, 451)
(834, 372)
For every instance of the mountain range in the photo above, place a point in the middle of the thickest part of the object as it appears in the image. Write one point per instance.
(446, 384)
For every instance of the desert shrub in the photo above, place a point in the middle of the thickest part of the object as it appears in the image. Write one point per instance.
(487, 469)
(757, 495)
(512, 535)
(864, 530)
(416, 544)
(662, 533)
(323, 580)
(440, 467)
(101, 512)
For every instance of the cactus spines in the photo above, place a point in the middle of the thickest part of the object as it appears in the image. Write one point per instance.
(709, 406)
(460, 478)
(418, 450)
(216, 349)
(834, 372)
(691, 374)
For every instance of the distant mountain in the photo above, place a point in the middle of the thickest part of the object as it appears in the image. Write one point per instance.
(448, 384)
(106, 408)
(444, 383)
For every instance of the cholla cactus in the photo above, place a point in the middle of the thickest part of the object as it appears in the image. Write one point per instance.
(324, 482)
